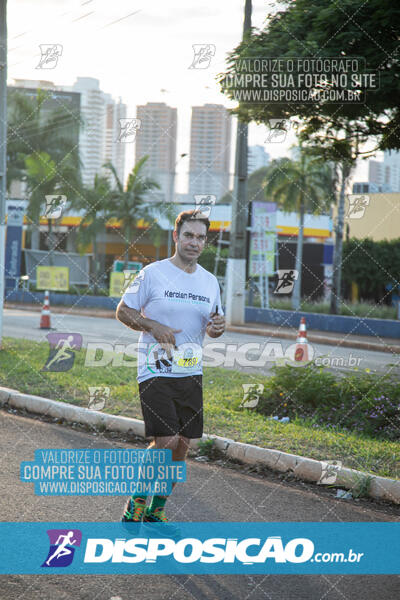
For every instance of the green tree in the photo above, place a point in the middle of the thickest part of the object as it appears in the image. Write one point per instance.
(35, 135)
(320, 29)
(94, 202)
(44, 177)
(300, 186)
(130, 205)
(255, 187)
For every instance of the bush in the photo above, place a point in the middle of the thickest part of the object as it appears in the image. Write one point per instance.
(372, 265)
(207, 259)
(362, 402)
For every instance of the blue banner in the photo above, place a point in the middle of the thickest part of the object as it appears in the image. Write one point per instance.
(13, 256)
(15, 217)
(200, 548)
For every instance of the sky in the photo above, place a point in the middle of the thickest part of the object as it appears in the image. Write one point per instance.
(139, 50)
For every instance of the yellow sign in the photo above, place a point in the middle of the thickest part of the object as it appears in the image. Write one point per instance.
(116, 283)
(119, 282)
(52, 278)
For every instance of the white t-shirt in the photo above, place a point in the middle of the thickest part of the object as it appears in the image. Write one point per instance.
(167, 294)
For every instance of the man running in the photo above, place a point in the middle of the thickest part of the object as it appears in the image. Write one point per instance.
(173, 302)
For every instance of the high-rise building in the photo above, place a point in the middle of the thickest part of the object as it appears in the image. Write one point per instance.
(98, 141)
(210, 150)
(67, 105)
(100, 127)
(156, 137)
(257, 158)
(383, 176)
(391, 170)
(114, 149)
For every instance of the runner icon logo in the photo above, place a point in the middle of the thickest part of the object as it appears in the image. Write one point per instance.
(203, 54)
(62, 351)
(50, 53)
(63, 543)
(251, 394)
(286, 281)
(98, 395)
(357, 206)
(127, 129)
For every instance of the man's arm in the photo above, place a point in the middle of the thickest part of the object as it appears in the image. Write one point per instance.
(133, 319)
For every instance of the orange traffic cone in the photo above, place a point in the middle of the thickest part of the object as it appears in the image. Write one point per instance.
(45, 316)
(301, 351)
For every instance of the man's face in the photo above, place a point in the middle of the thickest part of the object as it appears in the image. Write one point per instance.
(191, 240)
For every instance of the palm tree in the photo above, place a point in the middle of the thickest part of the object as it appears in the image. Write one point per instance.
(303, 185)
(43, 178)
(129, 205)
(94, 202)
(45, 136)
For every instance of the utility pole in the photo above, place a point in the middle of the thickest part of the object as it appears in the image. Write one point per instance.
(236, 267)
(3, 150)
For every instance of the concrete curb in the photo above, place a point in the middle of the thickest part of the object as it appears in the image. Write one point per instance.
(264, 332)
(307, 469)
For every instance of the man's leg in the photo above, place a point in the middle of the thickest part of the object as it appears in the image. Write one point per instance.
(179, 446)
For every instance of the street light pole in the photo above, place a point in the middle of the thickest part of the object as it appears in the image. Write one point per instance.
(3, 150)
(236, 267)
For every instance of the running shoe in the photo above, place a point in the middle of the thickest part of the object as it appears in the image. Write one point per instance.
(158, 516)
(134, 511)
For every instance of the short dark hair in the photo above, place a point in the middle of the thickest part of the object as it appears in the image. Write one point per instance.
(190, 215)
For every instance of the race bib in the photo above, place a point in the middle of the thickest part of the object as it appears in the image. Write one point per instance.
(186, 360)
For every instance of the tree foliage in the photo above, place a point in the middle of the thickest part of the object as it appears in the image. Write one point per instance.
(328, 29)
(373, 266)
(131, 205)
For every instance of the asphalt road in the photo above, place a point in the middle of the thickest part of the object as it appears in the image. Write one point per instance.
(211, 493)
(25, 324)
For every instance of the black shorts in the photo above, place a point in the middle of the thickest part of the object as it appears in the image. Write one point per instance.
(172, 405)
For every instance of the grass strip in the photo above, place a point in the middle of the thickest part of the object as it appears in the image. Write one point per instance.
(22, 361)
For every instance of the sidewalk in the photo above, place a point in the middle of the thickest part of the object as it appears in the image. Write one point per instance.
(390, 345)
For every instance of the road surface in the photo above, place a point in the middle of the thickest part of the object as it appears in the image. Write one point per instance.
(211, 493)
(25, 324)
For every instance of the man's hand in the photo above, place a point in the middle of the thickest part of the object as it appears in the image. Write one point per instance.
(163, 334)
(135, 320)
(217, 325)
